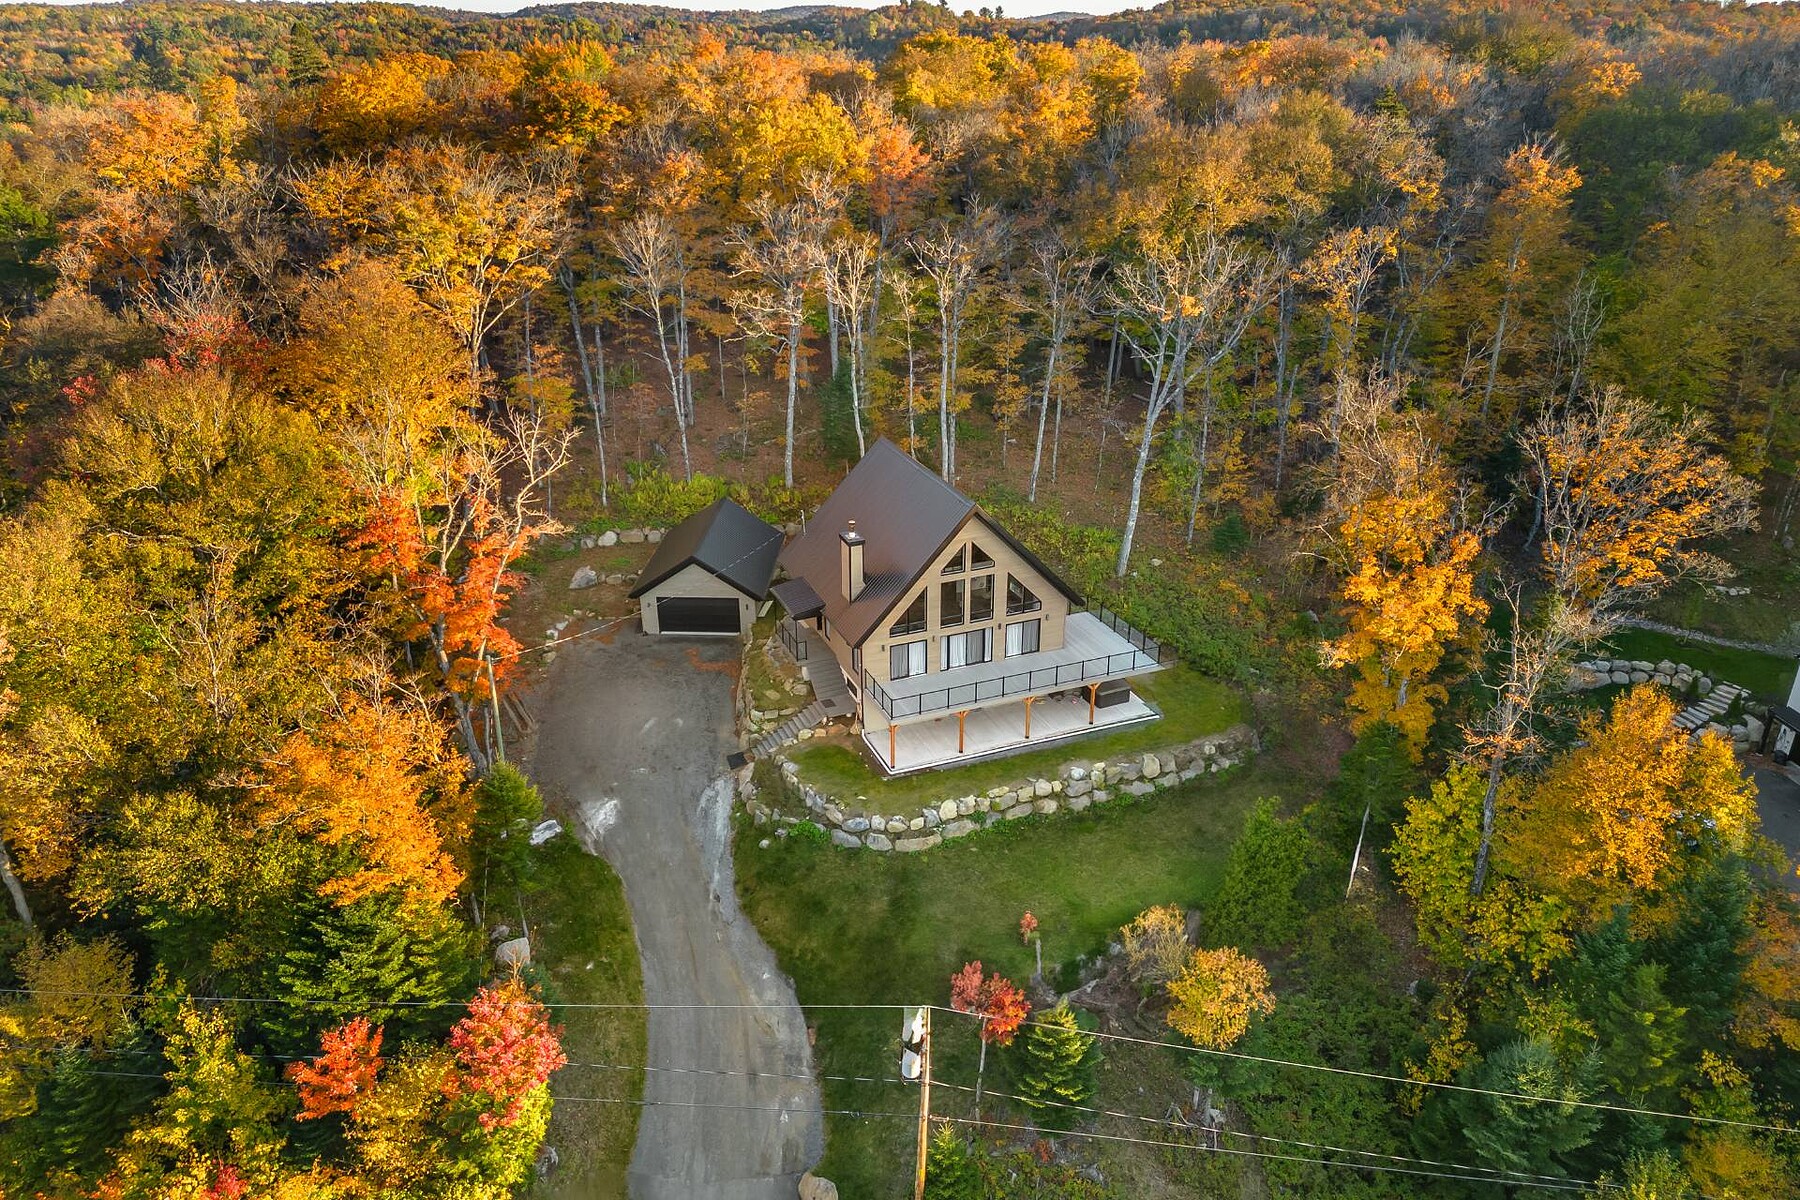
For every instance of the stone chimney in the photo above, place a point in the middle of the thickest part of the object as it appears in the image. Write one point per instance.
(850, 561)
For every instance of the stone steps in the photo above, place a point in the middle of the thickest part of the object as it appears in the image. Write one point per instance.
(809, 717)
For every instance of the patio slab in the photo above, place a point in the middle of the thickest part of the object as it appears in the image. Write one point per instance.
(995, 731)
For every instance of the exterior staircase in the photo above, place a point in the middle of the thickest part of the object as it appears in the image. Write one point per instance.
(789, 730)
(1711, 709)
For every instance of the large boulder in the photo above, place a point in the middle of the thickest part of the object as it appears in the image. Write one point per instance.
(812, 1187)
(516, 953)
(585, 577)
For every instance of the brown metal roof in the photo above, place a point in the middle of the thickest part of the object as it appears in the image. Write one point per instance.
(726, 539)
(906, 516)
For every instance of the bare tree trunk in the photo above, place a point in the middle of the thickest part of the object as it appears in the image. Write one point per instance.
(945, 432)
(1137, 493)
(20, 904)
(831, 333)
(1487, 393)
(1488, 806)
(787, 468)
(1283, 392)
(1112, 365)
(1037, 458)
(1056, 434)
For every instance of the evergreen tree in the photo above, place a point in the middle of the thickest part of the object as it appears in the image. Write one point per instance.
(507, 807)
(950, 1169)
(1259, 902)
(83, 1108)
(1702, 949)
(1058, 1061)
(394, 963)
(1515, 1135)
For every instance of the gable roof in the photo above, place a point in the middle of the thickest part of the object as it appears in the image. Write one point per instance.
(724, 538)
(906, 516)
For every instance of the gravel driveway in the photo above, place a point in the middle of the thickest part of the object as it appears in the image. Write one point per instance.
(631, 744)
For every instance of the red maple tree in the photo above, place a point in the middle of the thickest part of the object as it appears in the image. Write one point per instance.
(504, 1048)
(995, 998)
(342, 1074)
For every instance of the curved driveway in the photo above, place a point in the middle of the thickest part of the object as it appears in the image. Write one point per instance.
(631, 744)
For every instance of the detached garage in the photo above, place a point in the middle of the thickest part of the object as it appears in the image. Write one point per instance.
(709, 573)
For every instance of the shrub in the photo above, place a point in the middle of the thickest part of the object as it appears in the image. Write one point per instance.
(1156, 946)
(1217, 995)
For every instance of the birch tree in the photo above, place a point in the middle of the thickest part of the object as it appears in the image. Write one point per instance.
(656, 272)
(954, 255)
(1182, 309)
(1060, 293)
(1626, 499)
(848, 266)
(778, 252)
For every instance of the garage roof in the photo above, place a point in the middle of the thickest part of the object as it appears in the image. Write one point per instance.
(724, 538)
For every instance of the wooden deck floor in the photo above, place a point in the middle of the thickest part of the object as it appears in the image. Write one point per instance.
(991, 732)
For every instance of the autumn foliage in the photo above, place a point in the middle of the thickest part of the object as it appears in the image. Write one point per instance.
(344, 1071)
(505, 1048)
(378, 781)
(1217, 995)
(999, 1002)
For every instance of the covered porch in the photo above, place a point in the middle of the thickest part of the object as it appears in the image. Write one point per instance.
(956, 738)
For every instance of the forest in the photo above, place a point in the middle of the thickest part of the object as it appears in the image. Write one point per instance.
(1386, 358)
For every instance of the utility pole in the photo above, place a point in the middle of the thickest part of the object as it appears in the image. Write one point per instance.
(915, 1063)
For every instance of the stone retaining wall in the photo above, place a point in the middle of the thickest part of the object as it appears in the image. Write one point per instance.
(1077, 785)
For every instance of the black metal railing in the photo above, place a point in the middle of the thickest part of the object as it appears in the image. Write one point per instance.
(1146, 653)
(792, 638)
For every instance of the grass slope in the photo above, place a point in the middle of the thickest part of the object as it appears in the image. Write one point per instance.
(586, 953)
(856, 927)
(1767, 676)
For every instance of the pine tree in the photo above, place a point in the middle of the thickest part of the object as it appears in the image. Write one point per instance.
(379, 958)
(507, 806)
(1258, 903)
(1059, 1059)
(950, 1169)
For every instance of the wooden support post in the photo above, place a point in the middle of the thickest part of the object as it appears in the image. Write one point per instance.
(893, 755)
(959, 729)
(1029, 701)
(924, 1110)
(1093, 695)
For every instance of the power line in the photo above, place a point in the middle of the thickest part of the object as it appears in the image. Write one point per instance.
(298, 1001)
(1507, 1176)
(1424, 1083)
(1571, 1186)
(1114, 1037)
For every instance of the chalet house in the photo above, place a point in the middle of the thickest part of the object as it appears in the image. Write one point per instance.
(952, 639)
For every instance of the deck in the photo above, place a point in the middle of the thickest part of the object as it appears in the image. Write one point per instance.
(994, 731)
(1097, 647)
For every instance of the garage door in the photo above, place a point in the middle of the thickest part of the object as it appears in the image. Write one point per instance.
(696, 614)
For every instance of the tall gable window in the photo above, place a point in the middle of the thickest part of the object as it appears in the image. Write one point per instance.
(981, 598)
(912, 620)
(950, 601)
(1019, 598)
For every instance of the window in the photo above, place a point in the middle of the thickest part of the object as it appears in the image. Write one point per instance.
(950, 602)
(906, 660)
(955, 565)
(1019, 598)
(912, 620)
(966, 649)
(981, 598)
(1022, 638)
(979, 559)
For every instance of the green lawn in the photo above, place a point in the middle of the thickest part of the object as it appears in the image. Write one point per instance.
(1192, 705)
(1767, 676)
(856, 927)
(585, 953)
